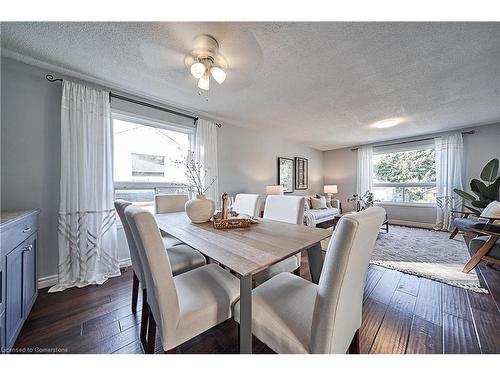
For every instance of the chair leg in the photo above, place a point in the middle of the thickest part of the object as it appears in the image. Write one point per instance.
(482, 251)
(135, 293)
(150, 347)
(354, 347)
(454, 233)
(144, 320)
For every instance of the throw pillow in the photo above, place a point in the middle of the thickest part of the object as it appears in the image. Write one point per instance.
(318, 203)
(492, 210)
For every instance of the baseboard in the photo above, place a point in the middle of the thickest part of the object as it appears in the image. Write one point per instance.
(411, 224)
(45, 282)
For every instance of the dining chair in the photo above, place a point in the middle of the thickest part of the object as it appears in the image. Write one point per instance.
(287, 209)
(247, 204)
(183, 306)
(167, 203)
(293, 315)
(182, 258)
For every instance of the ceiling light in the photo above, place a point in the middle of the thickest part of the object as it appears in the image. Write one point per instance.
(204, 82)
(218, 74)
(387, 123)
(198, 69)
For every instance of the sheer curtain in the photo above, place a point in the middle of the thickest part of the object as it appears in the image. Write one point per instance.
(206, 155)
(86, 230)
(364, 175)
(449, 161)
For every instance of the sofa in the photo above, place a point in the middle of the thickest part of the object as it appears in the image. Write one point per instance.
(313, 217)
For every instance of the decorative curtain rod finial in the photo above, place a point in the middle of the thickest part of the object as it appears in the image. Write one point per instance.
(51, 78)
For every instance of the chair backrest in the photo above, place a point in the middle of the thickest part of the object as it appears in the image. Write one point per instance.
(289, 209)
(247, 204)
(162, 295)
(166, 203)
(120, 206)
(492, 210)
(337, 311)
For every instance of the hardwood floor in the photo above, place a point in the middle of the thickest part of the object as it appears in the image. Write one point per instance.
(401, 314)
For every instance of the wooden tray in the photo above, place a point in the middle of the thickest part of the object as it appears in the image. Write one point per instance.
(220, 223)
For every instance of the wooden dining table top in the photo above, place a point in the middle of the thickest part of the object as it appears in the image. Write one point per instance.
(246, 251)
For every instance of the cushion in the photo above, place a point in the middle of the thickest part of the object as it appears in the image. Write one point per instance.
(477, 242)
(184, 258)
(321, 214)
(492, 210)
(318, 203)
(287, 265)
(206, 297)
(282, 313)
(170, 241)
(307, 203)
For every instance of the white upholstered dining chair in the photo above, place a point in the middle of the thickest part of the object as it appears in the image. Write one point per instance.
(168, 203)
(247, 204)
(183, 306)
(182, 258)
(288, 209)
(293, 315)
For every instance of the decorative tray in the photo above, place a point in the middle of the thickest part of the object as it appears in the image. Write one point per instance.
(231, 222)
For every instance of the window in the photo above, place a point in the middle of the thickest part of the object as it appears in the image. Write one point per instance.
(146, 159)
(405, 173)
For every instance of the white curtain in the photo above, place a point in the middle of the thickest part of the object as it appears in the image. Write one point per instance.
(206, 155)
(87, 229)
(449, 161)
(364, 172)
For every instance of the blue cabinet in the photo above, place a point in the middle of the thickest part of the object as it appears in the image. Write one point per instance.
(19, 242)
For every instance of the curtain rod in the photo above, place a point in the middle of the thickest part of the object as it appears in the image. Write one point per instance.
(51, 78)
(415, 140)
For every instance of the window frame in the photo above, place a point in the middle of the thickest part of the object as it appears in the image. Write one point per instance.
(411, 146)
(155, 123)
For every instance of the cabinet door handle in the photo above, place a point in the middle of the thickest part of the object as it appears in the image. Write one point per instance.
(27, 229)
(28, 248)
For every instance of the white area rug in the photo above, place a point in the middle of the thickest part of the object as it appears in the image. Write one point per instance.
(426, 253)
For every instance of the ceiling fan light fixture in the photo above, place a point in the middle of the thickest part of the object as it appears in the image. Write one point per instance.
(198, 69)
(204, 82)
(218, 74)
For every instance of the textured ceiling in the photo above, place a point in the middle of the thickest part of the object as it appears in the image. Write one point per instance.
(320, 84)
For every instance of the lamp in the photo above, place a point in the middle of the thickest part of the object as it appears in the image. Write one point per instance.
(204, 82)
(218, 74)
(198, 69)
(274, 190)
(330, 189)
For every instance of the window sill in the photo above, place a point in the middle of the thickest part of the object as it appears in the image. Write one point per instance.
(406, 204)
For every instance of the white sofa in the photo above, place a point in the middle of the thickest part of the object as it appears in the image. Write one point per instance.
(312, 217)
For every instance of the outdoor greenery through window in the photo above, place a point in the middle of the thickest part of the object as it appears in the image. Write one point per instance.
(146, 156)
(405, 175)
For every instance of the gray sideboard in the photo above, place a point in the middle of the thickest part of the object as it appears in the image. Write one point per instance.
(18, 271)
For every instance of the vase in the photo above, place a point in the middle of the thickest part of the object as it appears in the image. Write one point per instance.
(200, 209)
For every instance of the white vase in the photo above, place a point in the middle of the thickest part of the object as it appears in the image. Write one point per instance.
(200, 209)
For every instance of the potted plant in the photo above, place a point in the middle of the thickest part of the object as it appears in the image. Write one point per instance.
(199, 209)
(362, 201)
(487, 190)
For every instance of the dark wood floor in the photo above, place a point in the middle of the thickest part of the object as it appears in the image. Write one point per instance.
(401, 314)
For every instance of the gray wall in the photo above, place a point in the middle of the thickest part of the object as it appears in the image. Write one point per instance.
(248, 161)
(30, 155)
(30, 140)
(479, 148)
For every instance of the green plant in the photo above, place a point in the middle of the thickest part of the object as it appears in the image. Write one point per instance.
(362, 201)
(485, 193)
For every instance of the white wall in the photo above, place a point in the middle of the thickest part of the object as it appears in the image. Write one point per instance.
(479, 148)
(30, 155)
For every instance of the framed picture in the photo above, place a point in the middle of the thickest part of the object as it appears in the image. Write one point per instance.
(285, 174)
(301, 174)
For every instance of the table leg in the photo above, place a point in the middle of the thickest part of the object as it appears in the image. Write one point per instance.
(315, 261)
(246, 315)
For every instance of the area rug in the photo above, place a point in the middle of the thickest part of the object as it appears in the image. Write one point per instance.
(425, 253)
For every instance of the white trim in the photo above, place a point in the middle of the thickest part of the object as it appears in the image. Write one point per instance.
(45, 282)
(406, 204)
(411, 224)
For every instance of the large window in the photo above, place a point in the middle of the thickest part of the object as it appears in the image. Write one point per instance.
(406, 173)
(146, 159)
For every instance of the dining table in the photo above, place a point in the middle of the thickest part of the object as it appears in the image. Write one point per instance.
(248, 251)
